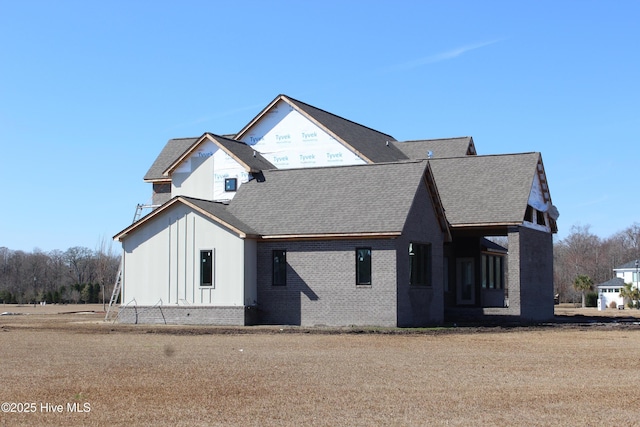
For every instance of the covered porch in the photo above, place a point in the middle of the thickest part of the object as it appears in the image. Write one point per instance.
(487, 281)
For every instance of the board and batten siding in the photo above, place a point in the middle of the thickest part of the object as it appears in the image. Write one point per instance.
(162, 262)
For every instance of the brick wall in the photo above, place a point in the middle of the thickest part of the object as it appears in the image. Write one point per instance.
(161, 193)
(421, 305)
(321, 284)
(186, 315)
(531, 274)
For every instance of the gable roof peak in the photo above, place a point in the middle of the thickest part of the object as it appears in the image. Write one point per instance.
(370, 145)
(242, 153)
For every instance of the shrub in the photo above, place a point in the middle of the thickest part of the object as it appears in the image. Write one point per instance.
(591, 299)
(613, 304)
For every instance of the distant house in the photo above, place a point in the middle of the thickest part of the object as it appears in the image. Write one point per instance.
(628, 272)
(609, 294)
(306, 218)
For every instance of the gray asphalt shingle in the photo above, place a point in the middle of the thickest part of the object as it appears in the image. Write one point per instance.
(245, 153)
(439, 148)
(485, 189)
(173, 149)
(348, 199)
(221, 211)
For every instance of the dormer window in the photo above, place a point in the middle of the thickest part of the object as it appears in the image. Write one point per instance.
(230, 184)
(528, 215)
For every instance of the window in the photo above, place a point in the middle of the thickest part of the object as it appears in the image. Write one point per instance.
(206, 268)
(230, 184)
(492, 271)
(420, 264)
(363, 266)
(279, 277)
(540, 218)
(528, 215)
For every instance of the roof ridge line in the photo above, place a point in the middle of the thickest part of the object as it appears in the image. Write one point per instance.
(340, 117)
(403, 161)
(436, 139)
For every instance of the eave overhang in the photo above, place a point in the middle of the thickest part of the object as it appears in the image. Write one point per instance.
(333, 236)
(124, 233)
(206, 137)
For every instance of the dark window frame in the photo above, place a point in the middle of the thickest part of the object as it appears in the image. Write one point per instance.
(279, 267)
(207, 261)
(492, 271)
(364, 266)
(528, 214)
(230, 189)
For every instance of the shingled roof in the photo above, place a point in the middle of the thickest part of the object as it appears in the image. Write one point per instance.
(346, 200)
(485, 190)
(173, 149)
(627, 265)
(439, 148)
(374, 146)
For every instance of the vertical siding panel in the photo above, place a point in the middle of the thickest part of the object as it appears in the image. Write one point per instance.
(177, 248)
(169, 263)
(185, 254)
(194, 282)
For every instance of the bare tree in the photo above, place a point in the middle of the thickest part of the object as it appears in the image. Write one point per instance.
(106, 268)
(79, 261)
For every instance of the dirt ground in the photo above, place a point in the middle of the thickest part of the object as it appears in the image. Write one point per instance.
(63, 365)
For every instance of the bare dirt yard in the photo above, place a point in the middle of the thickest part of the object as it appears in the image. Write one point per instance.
(63, 365)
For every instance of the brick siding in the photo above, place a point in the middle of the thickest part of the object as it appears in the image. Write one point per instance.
(321, 284)
(186, 315)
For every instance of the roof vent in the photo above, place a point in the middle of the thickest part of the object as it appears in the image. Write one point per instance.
(387, 143)
(429, 154)
(254, 153)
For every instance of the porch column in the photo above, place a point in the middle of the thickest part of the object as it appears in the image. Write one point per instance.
(513, 270)
(530, 274)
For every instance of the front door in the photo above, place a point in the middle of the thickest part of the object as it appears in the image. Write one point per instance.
(465, 284)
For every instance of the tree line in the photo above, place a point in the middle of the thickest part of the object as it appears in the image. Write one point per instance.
(76, 275)
(583, 255)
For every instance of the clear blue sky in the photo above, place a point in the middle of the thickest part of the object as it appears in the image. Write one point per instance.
(91, 91)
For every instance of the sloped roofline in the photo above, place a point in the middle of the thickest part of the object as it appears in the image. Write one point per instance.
(295, 104)
(436, 201)
(471, 148)
(207, 136)
(629, 265)
(187, 202)
(427, 179)
(155, 167)
(546, 194)
(452, 176)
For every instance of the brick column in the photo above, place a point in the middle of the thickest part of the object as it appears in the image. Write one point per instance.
(513, 270)
(531, 274)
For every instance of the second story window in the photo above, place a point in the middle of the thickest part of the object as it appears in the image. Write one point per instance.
(230, 184)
